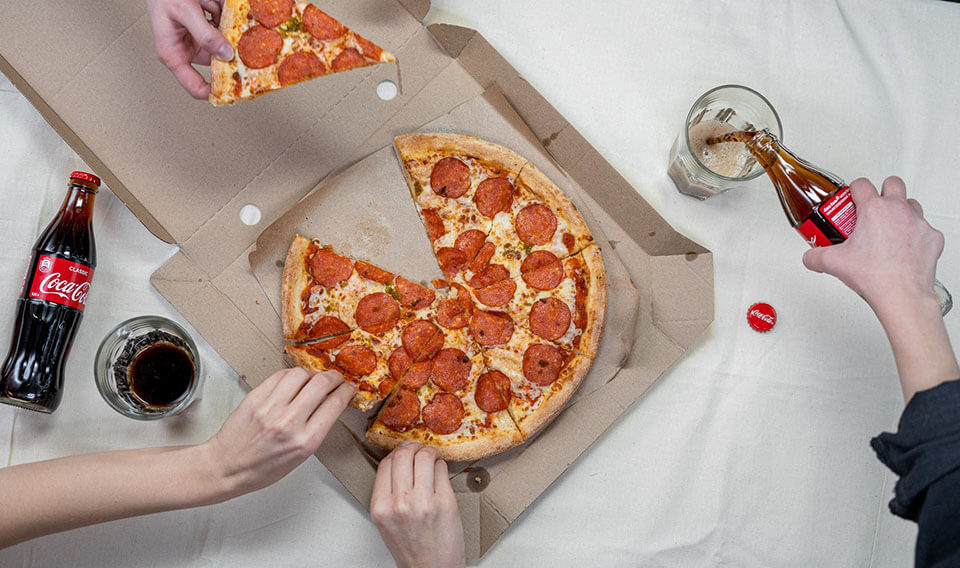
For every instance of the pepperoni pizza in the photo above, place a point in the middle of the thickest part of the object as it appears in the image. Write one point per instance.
(282, 42)
(481, 361)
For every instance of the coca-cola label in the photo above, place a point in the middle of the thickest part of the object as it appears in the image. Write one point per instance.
(813, 234)
(61, 281)
(840, 211)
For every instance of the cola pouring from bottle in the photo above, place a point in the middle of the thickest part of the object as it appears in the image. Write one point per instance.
(817, 203)
(52, 301)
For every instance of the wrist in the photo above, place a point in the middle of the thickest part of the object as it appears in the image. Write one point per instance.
(219, 485)
(895, 308)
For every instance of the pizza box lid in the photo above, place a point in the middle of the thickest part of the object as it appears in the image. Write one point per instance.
(117, 106)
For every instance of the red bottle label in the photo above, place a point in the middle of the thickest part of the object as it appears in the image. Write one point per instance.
(839, 211)
(61, 281)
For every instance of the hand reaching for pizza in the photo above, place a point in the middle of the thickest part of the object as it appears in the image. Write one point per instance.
(415, 510)
(277, 426)
(183, 36)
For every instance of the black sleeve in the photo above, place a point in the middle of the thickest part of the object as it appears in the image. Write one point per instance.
(925, 453)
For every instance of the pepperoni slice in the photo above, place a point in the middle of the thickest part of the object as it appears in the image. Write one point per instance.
(413, 295)
(330, 269)
(542, 364)
(536, 224)
(402, 410)
(492, 274)
(496, 295)
(542, 270)
(348, 59)
(483, 256)
(435, 228)
(444, 414)
(375, 273)
(324, 326)
(398, 363)
(569, 241)
(491, 328)
(493, 196)
(493, 392)
(418, 374)
(451, 369)
(377, 312)
(369, 49)
(271, 12)
(259, 47)
(320, 25)
(421, 339)
(454, 313)
(549, 318)
(451, 260)
(300, 66)
(469, 242)
(357, 360)
(386, 386)
(450, 178)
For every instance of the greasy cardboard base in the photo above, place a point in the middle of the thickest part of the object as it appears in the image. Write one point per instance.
(186, 169)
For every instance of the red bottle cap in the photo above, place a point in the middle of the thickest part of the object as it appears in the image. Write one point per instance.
(761, 316)
(85, 177)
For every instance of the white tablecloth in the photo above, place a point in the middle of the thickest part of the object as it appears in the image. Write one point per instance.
(751, 452)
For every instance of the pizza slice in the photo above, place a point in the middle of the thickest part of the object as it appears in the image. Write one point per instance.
(458, 183)
(282, 42)
(325, 293)
(362, 358)
(451, 408)
(535, 379)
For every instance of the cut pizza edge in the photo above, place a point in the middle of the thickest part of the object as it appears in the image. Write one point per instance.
(224, 74)
(364, 400)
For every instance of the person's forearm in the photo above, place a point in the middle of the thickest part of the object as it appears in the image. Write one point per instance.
(56, 495)
(920, 344)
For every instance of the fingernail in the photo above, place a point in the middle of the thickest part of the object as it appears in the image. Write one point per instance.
(225, 53)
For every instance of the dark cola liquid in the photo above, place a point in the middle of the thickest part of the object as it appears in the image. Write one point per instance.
(155, 370)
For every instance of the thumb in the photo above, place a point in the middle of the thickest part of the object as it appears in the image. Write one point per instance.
(814, 260)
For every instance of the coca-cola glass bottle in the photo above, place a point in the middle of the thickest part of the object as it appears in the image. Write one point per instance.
(816, 202)
(51, 302)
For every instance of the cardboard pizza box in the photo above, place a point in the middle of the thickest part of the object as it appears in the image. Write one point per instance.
(187, 170)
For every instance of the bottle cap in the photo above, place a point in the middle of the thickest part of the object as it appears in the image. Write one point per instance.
(761, 316)
(85, 177)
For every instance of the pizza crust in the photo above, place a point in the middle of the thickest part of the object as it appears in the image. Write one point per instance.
(467, 450)
(596, 303)
(424, 147)
(296, 279)
(221, 72)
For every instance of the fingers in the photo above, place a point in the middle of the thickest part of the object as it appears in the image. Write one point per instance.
(205, 35)
(213, 8)
(917, 208)
(191, 80)
(313, 393)
(893, 187)
(441, 478)
(381, 485)
(201, 58)
(401, 474)
(862, 191)
(423, 470)
(326, 414)
(813, 259)
(262, 391)
(290, 384)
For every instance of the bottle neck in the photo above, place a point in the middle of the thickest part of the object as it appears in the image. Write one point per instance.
(77, 208)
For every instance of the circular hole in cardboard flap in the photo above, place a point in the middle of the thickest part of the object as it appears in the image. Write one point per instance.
(477, 478)
(250, 214)
(387, 90)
